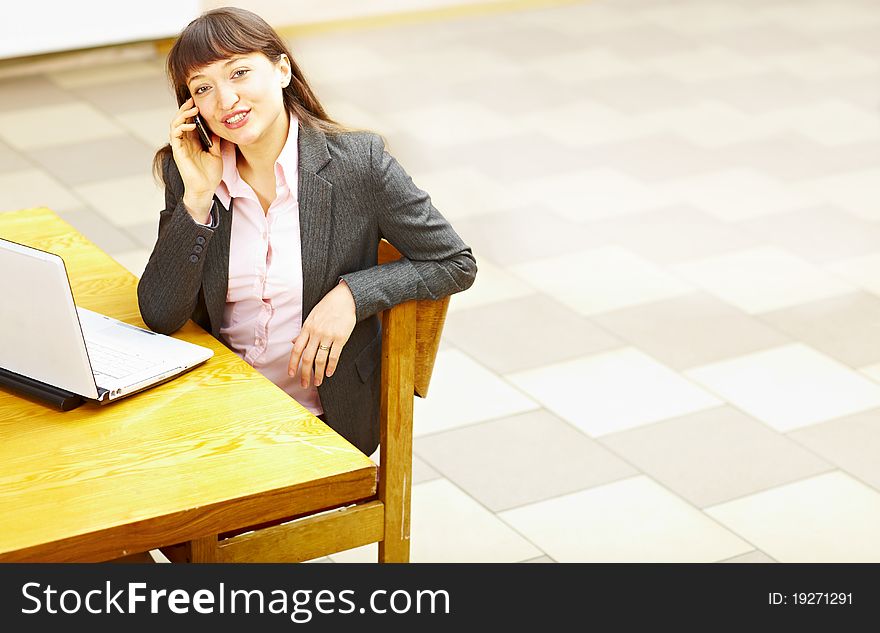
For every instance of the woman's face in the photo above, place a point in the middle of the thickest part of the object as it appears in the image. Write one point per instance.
(240, 98)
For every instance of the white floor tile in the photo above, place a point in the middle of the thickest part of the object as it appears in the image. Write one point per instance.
(448, 526)
(613, 391)
(463, 392)
(593, 194)
(740, 194)
(460, 192)
(762, 279)
(125, 201)
(601, 280)
(789, 387)
(633, 520)
(34, 188)
(852, 191)
(56, 125)
(830, 123)
(862, 271)
(830, 518)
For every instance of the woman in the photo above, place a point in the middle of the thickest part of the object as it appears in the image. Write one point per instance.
(269, 237)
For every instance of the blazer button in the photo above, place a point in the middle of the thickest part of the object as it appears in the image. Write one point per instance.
(200, 240)
(197, 249)
(193, 258)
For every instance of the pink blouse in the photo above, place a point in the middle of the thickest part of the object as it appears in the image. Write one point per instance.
(264, 297)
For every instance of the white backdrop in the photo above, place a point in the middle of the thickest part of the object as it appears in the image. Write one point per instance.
(33, 27)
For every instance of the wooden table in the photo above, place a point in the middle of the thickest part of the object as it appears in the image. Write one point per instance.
(217, 449)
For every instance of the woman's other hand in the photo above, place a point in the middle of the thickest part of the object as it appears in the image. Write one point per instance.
(200, 170)
(323, 335)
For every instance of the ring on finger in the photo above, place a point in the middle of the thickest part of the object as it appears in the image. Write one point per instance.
(324, 347)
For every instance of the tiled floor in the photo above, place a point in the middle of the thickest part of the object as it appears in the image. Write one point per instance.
(672, 350)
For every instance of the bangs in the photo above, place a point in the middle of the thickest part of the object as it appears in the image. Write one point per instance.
(208, 39)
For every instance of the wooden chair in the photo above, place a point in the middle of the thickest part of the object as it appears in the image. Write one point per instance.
(410, 338)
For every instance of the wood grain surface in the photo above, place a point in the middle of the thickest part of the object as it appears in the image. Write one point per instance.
(213, 450)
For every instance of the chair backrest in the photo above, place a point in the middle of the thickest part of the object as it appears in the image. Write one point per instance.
(430, 317)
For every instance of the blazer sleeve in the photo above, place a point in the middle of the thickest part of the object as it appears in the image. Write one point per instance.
(435, 262)
(169, 288)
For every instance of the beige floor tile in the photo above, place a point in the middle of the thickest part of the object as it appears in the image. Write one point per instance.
(831, 518)
(818, 234)
(691, 330)
(613, 391)
(125, 201)
(845, 328)
(340, 63)
(493, 284)
(496, 335)
(851, 191)
(454, 123)
(11, 160)
(706, 63)
(34, 188)
(714, 456)
(151, 126)
(134, 261)
(710, 124)
(584, 123)
(46, 126)
(703, 18)
(31, 91)
(104, 73)
(789, 387)
(106, 236)
(823, 18)
(826, 62)
(634, 520)
(95, 160)
(447, 527)
(523, 234)
(852, 443)
(669, 235)
(751, 557)
(601, 280)
(583, 65)
(733, 195)
(521, 459)
(463, 392)
(762, 279)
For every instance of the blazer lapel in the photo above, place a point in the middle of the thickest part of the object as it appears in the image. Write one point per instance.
(215, 277)
(314, 194)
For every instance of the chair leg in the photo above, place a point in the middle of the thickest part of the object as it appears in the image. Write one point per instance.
(203, 550)
(396, 415)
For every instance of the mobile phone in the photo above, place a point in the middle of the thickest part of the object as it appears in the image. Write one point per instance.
(204, 135)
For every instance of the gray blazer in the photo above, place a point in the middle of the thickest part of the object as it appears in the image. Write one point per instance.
(351, 194)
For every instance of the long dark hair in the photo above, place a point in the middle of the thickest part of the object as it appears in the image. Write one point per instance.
(229, 31)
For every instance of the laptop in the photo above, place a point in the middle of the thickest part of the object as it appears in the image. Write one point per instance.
(45, 338)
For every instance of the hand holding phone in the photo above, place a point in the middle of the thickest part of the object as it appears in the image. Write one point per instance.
(204, 135)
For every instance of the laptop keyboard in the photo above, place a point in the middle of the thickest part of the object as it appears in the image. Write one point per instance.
(114, 363)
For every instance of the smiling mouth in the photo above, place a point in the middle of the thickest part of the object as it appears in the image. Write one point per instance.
(237, 119)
